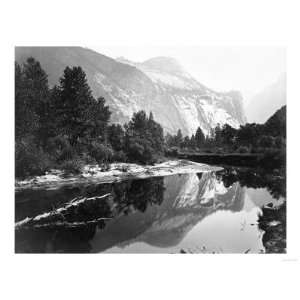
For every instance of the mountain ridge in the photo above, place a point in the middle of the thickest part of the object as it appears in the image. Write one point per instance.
(160, 85)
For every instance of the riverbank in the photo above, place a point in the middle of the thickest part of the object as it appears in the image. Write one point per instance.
(269, 160)
(273, 223)
(115, 172)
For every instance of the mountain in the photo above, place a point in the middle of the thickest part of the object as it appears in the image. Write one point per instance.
(265, 103)
(160, 85)
(276, 124)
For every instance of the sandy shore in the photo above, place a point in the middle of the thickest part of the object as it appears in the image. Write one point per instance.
(116, 172)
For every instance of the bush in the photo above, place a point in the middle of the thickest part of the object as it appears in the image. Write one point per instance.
(73, 166)
(30, 160)
(120, 156)
(243, 149)
(60, 148)
(88, 159)
(101, 153)
(140, 150)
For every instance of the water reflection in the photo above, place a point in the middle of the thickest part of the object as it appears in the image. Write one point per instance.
(207, 213)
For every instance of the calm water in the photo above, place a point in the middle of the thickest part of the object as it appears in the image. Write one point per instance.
(194, 213)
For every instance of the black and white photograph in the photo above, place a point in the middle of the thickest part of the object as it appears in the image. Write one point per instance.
(150, 149)
(117, 155)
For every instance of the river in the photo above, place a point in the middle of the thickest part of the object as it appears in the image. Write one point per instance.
(212, 212)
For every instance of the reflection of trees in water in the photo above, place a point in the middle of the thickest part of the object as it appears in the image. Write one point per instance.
(188, 199)
(138, 194)
(171, 206)
(127, 196)
(255, 178)
(273, 223)
(273, 219)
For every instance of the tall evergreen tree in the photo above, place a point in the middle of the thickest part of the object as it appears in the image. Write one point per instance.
(26, 120)
(98, 119)
(36, 82)
(74, 107)
(193, 141)
(178, 138)
(218, 135)
(199, 137)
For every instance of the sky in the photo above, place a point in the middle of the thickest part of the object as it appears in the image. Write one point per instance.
(247, 69)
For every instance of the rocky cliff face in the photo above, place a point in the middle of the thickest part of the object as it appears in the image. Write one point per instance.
(160, 85)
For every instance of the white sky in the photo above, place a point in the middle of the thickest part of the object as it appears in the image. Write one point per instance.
(247, 69)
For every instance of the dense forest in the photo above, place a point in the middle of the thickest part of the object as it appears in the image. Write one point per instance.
(250, 137)
(65, 127)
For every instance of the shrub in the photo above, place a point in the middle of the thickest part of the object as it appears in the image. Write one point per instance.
(119, 156)
(88, 159)
(60, 148)
(140, 150)
(101, 153)
(73, 166)
(30, 160)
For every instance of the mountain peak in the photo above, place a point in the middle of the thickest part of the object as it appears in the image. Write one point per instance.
(163, 63)
(159, 63)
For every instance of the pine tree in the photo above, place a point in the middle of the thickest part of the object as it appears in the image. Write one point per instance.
(178, 138)
(193, 141)
(26, 120)
(199, 138)
(36, 82)
(116, 136)
(186, 142)
(98, 119)
(74, 107)
(218, 135)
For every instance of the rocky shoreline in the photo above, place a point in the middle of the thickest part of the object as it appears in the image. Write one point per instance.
(115, 172)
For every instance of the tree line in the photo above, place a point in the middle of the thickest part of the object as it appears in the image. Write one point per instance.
(248, 138)
(65, 127)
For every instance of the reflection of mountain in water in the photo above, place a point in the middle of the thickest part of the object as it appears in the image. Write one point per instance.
(187, 200)
(157, 211)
